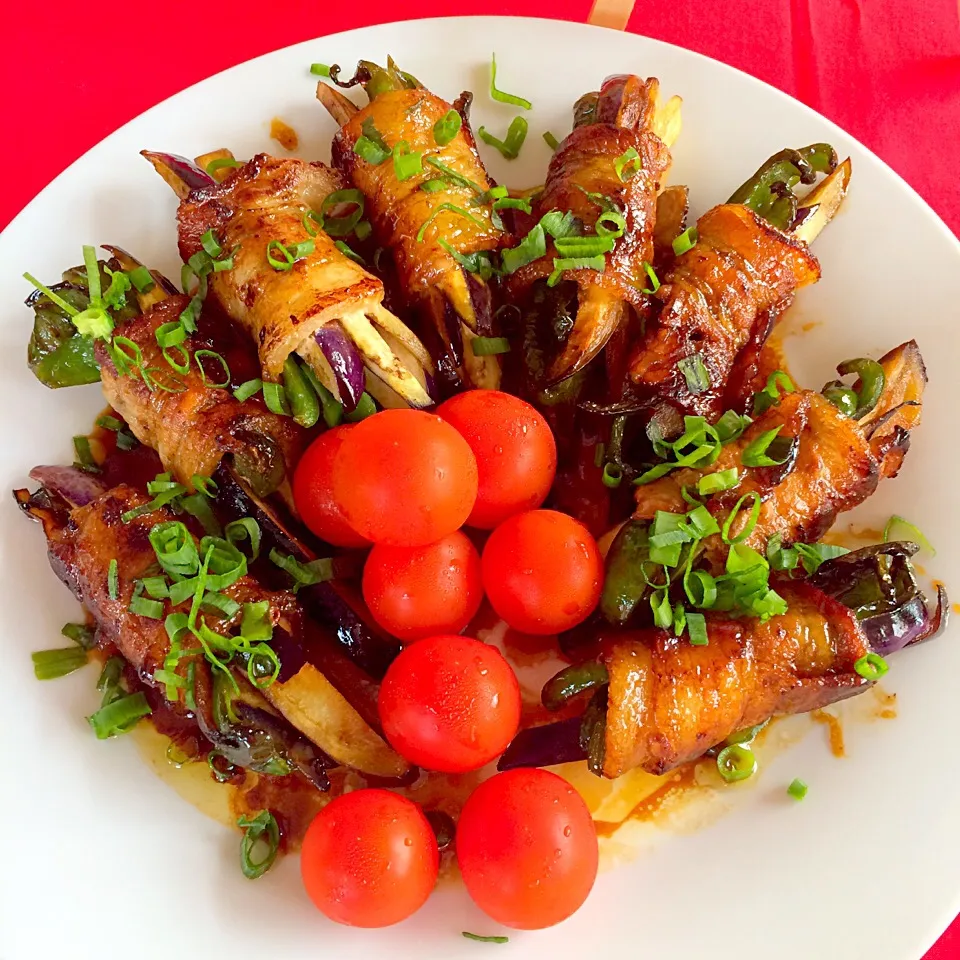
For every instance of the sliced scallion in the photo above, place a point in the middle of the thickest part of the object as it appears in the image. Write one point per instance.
(510, 145)
(51, 664)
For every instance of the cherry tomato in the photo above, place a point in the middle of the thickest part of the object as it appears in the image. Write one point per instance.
(405, 477)
(542, 571)
(417, 592)
(527, 848)
(313, 492)
(369, 859)
(450, 703)
(515, 450)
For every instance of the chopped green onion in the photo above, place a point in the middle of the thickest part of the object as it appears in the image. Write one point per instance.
(304, 574)
(716, 482)
(344, 249)
(778, 384)
(364, 408)
(447, 127)
(244, 529)
(275, 398)
(559, 224)
(220, 163)
(479, 263)
(263, 666)
(51, 664)
(256, 625)
(370, 146)
(189, 315)
(434, 185)
(452, 174)
(561, 264)
(751, 523)
(612, 475)
(452, 208)
(220, 603)
(110, 423)
(170, 334)
(175, 549)
(340, 226)
(661, 609)
(307, 225)
(628, 165)
(68, 308)
(695, 372)
(142, 279)
(530, 248)
(686, 241)
(731, 425)
(303, 400)
(248, 389)
(363, 230)
(755, 454)
(206, 485)
(119, 716)
(510, 145)
(489, 346)
(80, 634)
(797, 789)
(479, 939)
(700, 587)
(279, 264)
(612, 216)
(210, 244)
(551, 141)
(223, 773)
(499, 95)
(736, 762)
(598, 455)
(508, 203)
(697, 629)
(654, 280)
(319, 69)
(914, 532)
(85, 458)
(113, 580)
(812, 555)
(261, 836)
(583, 246)
(871, 666)
(218, 358)
(145, 607)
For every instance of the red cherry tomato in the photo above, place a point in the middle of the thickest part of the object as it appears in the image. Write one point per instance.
(313, 492)
(515, 450)
(527, 848)
(450, 703)
(369, 859)
(417, 592)
(405, 477)
(542, 571)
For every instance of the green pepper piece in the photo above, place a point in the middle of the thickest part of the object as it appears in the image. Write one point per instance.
(625, 585)
(58, 354)
(593, 731)
(844, 398)
(383, 79)
(304, 403)
(571, 682)
(872, 381)
(769, 192)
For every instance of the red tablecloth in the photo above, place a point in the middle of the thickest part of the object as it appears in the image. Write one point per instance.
(886, 70)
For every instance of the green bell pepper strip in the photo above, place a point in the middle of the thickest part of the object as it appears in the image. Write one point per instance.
(625, 585)
(872, 382)
(572, 681)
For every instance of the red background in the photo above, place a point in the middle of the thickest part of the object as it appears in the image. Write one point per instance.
(888, 71)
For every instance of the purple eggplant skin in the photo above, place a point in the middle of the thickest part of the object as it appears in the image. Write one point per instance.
(345, 361)
(545, 745)
(878, 582)
(76, 486)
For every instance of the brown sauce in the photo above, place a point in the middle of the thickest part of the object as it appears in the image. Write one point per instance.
(835, 730)
(284, 134)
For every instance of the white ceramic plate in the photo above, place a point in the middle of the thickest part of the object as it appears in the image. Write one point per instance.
(101, 860)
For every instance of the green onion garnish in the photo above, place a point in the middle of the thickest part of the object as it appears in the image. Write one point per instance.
(778, 384)
(452, 174)
(263, 666)
(119, 715)
(871, 666)
(319, 69)
(113, 580)
(248, 389)
(627, 165)
(371, 146)
(51, 664)
(797, 789)
(499, 95)
(237, 531)
(697, 629)
(551, 141)
(260, 844)
(686, 241)
(170, 334)
(141, 278)
(489, 346)
(756, 453)
(183, 364)
(341, 226)
(220, 163)
(479, 939)
(434, 185)
(210, 244)
(612, 475)
(508, 203)
(615, 217)
(303, 400)
(559, 224)
(574, 263)
(654, 280)
(480, 262)
(447, 127)
(914, 532)
(217, 358)
(510, 145)
(145, 607)
(206, 485)
(407, 163)
(736, 762)
(452, 208)
(80, 634)
(285, 261)
(346, 251)
(716, 482)
(731, 425)
(530, 248)
(581, 247)
(112, 424)
(363, 230)
(304, 574)
(695, 372)
(751, 523)
(85, 458)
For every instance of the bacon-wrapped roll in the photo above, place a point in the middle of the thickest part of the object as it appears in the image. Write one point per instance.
(722, 295)
(191, 424)
(323, 306)
(831, 462)
(612, 162)
(429, 231)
